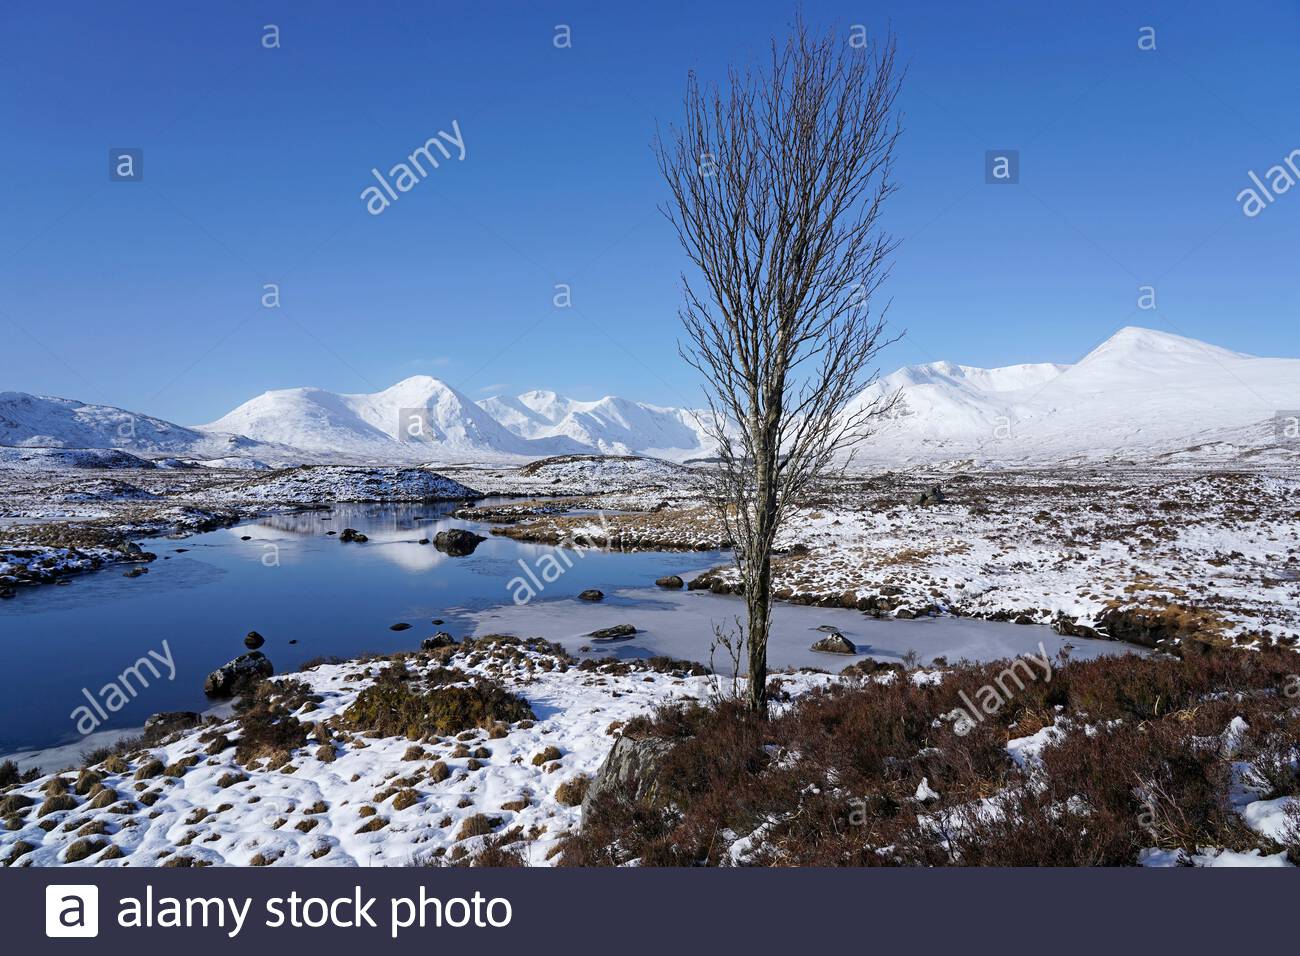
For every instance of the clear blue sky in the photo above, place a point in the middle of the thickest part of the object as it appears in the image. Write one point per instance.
(146, 295)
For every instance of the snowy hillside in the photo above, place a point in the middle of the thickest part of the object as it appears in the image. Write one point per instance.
(612, 425)
(418, 418)
(40, 422)
(1141, 394)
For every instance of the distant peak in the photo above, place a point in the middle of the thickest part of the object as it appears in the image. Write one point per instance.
(1134, 339)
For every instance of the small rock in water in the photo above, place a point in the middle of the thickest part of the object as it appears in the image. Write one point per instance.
(135, 572)
(294, 641)
(670, 581)
(331, 532)
(424, 541)
(457, 542)
(245, 537)
(253, 640)
(835, 643)
(436, 621)
(399, 626)
(592, 594)
(619, 632)
(352, 534)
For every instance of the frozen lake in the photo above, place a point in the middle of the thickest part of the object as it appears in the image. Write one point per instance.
(293, 582)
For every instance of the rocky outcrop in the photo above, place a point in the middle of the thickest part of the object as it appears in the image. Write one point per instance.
(457, 542)
(835, 643)
(441, 639)
(631, 773)
(931, 496)
(233, 676)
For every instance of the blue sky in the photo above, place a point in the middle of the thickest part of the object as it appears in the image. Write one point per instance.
(146, 295)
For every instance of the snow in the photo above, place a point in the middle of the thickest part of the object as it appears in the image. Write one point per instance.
(262, 815)
(314, 484)
(415, 418)
(611, 425)
(1140, 393)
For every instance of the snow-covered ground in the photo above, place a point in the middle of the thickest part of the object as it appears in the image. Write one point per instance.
(373, 800)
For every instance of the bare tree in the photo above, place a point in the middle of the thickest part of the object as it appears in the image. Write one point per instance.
(777, 182)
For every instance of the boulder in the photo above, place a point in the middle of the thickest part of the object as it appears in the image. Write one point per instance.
(253, 640)
(441, 639)
(457, 542)
(834, 643)
(630, 773)
(931, 496)
(592, 594)
(158, 726)
(399, 626)
(352, 534)
(670, 581)
(234, 675)
(619, 632)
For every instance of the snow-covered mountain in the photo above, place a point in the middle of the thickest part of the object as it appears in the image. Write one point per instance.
(1141, 394)
(418, 418)
(611, 425)
(37, 421)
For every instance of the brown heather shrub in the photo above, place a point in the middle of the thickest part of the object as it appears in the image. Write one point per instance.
(571, 792)
(1153, 771)
(80, 849)
(268, 729)
(400, 703)
(547, 755)
(479, 824)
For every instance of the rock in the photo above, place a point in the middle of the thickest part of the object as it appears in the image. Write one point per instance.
(592, 594)
(424, 541)
(436, 621)
(931, 496)
(6, 592)
(158, 726)
(630, 773)
(905, 613)
(135, 572)
(253, 640)
(399, 626)
(619, 632)
(441, 639)
(457, 542)
(670, 581)
(835, 643)
(245, 537)
(352, 534)
(230, 677)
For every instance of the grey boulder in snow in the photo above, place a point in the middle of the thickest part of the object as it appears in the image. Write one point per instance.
(234, 675)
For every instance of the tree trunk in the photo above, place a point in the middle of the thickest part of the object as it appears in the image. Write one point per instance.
(758, 601)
